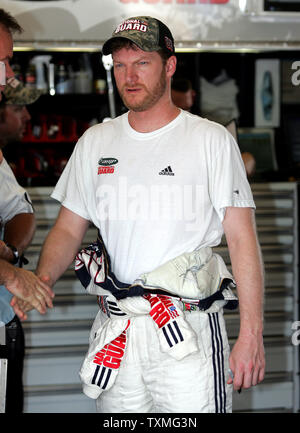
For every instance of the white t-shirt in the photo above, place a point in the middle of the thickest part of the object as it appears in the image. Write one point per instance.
(154, 195)
(13, 198)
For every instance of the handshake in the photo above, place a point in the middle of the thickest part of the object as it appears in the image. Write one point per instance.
(28, 289)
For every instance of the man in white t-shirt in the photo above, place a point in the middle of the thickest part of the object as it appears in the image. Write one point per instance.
(159, 182)
(19, 282)
(17, 226)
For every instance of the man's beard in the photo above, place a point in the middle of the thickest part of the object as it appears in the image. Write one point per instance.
(12, 138)
(151, 97)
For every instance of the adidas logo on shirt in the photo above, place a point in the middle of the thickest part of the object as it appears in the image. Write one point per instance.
(167, 172)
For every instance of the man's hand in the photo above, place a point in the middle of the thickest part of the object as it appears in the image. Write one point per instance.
(247, 362)
(21, 307)
(27, 287)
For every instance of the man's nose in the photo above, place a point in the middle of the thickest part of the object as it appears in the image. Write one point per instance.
(26, 115)
(131, 75)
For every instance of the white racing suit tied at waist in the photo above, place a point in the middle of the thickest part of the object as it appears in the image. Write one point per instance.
(197, 280)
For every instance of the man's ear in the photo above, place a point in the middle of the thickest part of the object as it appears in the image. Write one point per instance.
(194, 94)
(171, 66)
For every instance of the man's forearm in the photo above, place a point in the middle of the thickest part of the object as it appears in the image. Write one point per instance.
(61, 246)
(57, 254)
(19, 231)
(247, 268)
(6, 272)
